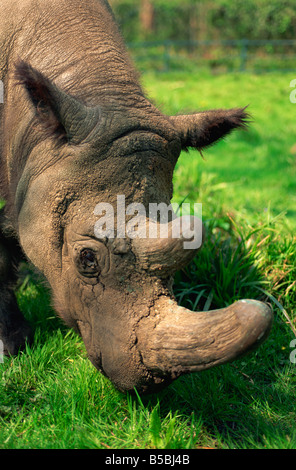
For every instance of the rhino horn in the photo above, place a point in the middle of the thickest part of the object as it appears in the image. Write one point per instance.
(174, 340)
(61, 114)
(166, 253)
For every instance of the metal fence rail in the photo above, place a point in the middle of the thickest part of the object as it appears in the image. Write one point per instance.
(227, 55)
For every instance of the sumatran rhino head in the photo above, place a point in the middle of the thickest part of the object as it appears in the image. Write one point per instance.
(113, 283)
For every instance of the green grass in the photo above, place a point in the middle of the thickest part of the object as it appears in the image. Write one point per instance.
(256, 168)
(52, 397)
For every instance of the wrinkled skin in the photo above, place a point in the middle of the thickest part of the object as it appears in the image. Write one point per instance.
(78, 130)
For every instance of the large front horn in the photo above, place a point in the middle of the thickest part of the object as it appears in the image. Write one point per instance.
(173, 340)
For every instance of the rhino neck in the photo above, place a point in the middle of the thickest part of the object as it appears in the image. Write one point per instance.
(75, 43)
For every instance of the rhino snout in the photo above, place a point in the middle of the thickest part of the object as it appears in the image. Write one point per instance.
(133, 329)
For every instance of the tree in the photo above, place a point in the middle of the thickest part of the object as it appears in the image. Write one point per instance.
(146, 16)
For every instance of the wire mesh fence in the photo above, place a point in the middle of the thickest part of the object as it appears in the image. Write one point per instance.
(221, 56)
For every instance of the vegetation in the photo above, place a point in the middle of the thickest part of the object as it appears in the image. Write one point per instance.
(52, 397)
(215, 19)
(254, 35)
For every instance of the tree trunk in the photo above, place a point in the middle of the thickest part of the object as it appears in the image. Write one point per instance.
(146, 16)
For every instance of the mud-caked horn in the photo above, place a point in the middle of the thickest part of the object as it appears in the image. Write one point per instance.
(173, 340)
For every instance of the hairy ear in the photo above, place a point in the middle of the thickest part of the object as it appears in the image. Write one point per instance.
(204, 129)
(40, 93)
(62, 115)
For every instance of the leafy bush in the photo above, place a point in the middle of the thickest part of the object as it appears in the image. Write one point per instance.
(253, 19)
(216, 19)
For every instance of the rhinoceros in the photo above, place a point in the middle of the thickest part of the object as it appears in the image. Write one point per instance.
(78, 131)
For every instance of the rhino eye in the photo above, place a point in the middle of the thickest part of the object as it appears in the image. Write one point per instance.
(88, 263)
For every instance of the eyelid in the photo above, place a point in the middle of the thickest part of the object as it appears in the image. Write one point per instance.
(87, 244)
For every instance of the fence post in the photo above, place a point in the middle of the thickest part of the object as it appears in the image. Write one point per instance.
(243, 54)
(166, 55)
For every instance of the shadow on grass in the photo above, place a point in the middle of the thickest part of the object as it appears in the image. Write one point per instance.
(34, 299)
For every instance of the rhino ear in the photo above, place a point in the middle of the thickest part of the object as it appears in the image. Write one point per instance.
(62, 115)
(204, 129)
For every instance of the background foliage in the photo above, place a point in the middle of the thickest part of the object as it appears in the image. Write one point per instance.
(204, 20)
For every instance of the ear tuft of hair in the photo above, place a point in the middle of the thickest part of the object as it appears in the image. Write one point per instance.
(216, 125)
(201, 130)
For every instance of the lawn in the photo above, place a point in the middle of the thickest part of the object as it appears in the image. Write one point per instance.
(256, 170)
(52, 397)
